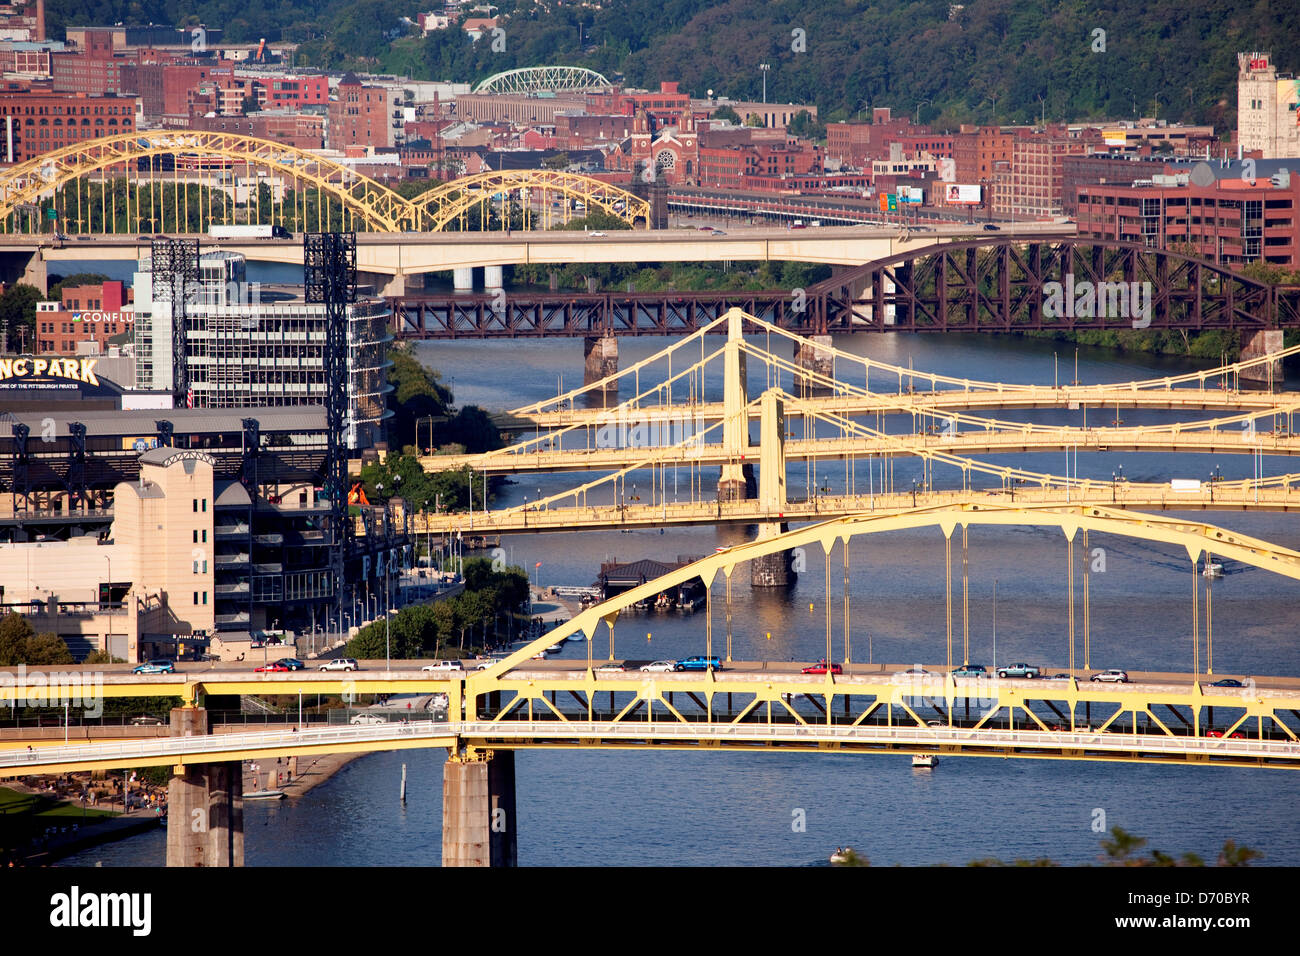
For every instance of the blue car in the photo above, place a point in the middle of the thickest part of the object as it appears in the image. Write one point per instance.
(1227, 682)
(699, 663)
(155, 667)
(292, 663)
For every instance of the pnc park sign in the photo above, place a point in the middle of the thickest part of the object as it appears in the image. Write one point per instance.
(16, 372)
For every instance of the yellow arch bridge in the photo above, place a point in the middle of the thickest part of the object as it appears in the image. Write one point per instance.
(182, 181)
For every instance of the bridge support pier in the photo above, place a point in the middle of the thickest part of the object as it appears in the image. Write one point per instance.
(813, 355)
(600, 359)
(478, 810)
(463, 279)
(205, 804)
(493, 278)
(1268, 375)
(772, 570)
(737, 483)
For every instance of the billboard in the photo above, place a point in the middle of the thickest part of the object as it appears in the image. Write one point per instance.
(1114, 137)
(955, 194)
(911, 194)
(947, 169)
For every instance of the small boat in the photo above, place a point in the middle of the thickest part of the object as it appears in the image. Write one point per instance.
(1212, 570)
(265, 795)
(924, 761)
(555, 648)
(662, 603)
(842, 855)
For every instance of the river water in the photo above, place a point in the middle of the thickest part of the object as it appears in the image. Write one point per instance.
(669, 808)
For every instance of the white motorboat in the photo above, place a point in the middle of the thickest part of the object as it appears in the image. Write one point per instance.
(1212, 570)
(924, 761)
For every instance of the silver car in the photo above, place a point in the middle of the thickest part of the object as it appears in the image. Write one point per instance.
(662, 667)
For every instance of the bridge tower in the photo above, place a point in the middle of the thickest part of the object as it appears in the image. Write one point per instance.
(772, 570)
(734, 485)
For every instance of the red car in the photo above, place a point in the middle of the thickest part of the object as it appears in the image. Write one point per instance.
(820, 668)
(1219, 733)
(277, 666)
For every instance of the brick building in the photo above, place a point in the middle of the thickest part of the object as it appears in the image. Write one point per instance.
(38, 121)
(1210, 210)
(302, 130)
(360, 115)
(1268, 107)
(85, 320)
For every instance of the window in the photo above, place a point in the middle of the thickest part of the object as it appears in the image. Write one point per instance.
(205, 535)
(196, 505)
(196, 597)
(196, 535)
(205, 505)
(205, 597)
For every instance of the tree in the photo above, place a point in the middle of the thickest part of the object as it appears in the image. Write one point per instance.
(559, 161)
(48, 648)
(1121, 845)
(728, 114)
(755, 121)
(18, 316)
(14, 632)
(802, 124)
(1233, 855)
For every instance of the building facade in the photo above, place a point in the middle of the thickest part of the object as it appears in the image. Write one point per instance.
(1268, 107)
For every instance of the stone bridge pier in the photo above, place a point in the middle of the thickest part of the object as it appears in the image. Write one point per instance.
(813, 355)
(1267, 375)
(205, 804)
(478, 809)
(600, 359)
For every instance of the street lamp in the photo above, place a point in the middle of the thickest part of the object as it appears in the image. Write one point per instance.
(916, 121)
(765, 68)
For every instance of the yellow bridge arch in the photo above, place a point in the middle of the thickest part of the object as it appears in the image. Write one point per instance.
(1195, 536)
(371, 204)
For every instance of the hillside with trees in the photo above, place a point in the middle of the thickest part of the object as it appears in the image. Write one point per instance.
(951, 61)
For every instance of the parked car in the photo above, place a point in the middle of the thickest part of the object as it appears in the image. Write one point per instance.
(659, 667)
(487, 662)
(1112, 676)
(340, 664)
(292, 663)
(1058, 677)
(444, 667)
(367, 719)
(698, 663)
(146, 720)
(273, 666)
(155, 667)
(971, 670)
(820, 668)
(596, 235)
(1228, 682)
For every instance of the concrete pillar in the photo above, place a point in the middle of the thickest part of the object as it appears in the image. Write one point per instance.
(553, 281)
(464, 279)
(205, 804)
(737, 483)
(600, 359)
(772, 570)
(478, 810)
(493, 278)
(813, 354)
(1268, 374)
(37, 273)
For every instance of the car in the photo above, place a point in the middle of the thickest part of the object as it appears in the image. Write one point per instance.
(1019, 670)
(146, 720)
(718, 232)
(444, 667)
(340, 664)
(367, 719)
(1058, 677)
(85, 238)
(1228, 682)
(488, 662)
(596, 235)
(274, 666)
(1219, 733)
(155, 667)
(611, 668)
(972, 670)
(659, 667)
(916, 671)
(698, 663)
(706, 228)
(989, 227)
(292, 663)
(1112, 676)
(820, 668)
